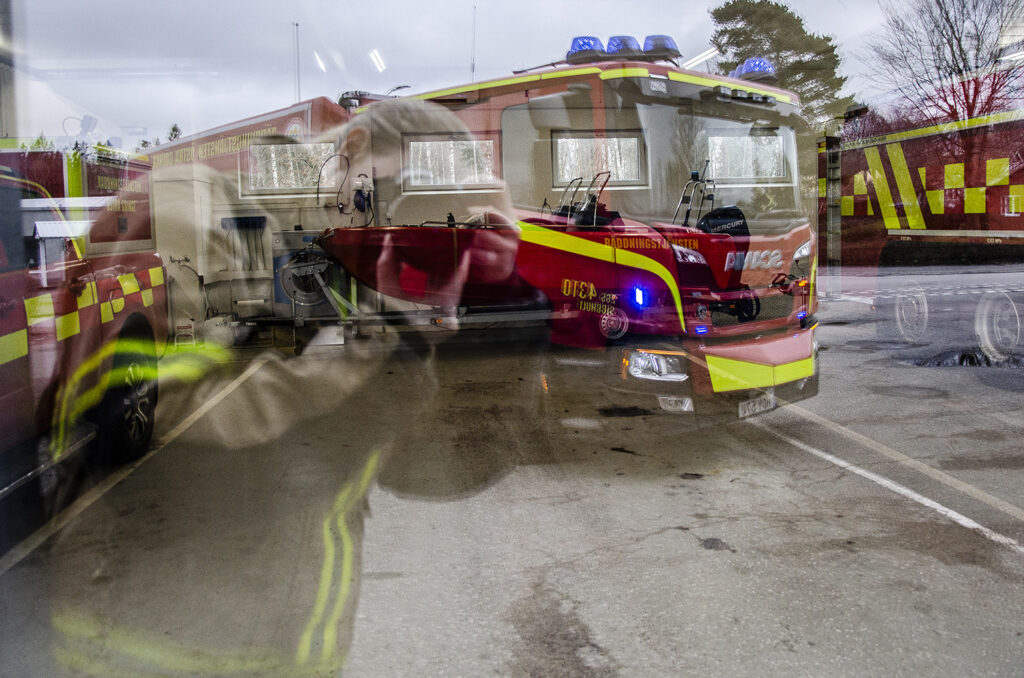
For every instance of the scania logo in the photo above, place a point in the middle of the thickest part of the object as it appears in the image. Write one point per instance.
(753, 260)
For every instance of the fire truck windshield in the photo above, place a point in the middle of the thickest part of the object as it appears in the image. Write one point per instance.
(651, 143)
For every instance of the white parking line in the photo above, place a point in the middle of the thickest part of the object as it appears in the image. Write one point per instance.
(933, 473)
(958, 518)
(59, 521)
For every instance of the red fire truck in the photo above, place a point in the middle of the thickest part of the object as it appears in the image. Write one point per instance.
(653, 212)
(82, 309)
(907, 200)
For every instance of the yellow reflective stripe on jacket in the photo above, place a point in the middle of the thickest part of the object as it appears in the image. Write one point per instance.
(335, 520)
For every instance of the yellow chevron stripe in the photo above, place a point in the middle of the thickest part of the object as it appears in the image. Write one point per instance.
(908, 194)
(881, 184)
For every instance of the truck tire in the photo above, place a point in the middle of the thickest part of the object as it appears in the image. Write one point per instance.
(126, 414)
(905, 316)
(998, 327)
(613, 325)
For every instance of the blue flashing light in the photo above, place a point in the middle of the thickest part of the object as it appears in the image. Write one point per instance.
(584, 45)
(755, 69)
(623, 45)
(801, 314)
(700, 329)
(639, 296)
(662, 46)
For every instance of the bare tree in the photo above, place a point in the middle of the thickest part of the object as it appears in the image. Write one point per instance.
(944, 57)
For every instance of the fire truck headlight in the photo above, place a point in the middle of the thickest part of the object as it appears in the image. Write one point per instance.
(803, 251)
(657, 366)
(687, 256)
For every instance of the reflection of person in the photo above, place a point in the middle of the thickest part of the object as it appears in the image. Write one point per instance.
(266, 522)
(418, 264)
(375, 143)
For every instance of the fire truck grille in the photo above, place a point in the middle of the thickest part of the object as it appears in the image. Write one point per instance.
(772, 307)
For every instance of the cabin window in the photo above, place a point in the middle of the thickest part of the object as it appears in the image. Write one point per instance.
(435, 162)
(757, 155)
(290, 167)
(583, 154)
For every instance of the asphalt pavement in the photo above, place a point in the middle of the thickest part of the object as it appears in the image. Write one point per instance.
(410, 505)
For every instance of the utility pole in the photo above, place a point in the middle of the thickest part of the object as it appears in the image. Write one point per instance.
(472, 57)
(7, 107)
(298, 83)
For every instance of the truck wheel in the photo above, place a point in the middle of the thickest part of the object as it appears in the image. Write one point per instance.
(910, 312)
(126, 414)
(614, 325)
(997, 326)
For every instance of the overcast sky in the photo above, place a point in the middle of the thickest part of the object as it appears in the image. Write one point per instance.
(141, 65)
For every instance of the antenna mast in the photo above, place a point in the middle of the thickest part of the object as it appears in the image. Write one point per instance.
(298, 85)
(472, 57)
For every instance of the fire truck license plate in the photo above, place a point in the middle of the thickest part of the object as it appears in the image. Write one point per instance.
(757, 404)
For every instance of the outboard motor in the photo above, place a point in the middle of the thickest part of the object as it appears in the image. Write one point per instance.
(728, 220)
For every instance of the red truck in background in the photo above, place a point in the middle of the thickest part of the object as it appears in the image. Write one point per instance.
(83, 310)
(908, 200)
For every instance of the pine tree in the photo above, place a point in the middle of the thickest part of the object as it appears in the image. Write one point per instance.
(806, 63)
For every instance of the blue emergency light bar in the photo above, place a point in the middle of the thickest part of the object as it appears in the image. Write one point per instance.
(660, 47)
(701, 329)
(589, 48)
(754, 69)
(623, 46)
(585, 48)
